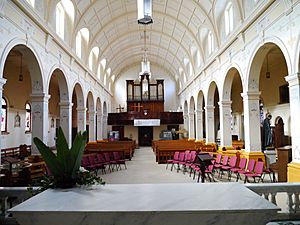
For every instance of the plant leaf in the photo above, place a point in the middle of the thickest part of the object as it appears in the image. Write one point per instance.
(62, 148)
(76, 152)
(49, 157)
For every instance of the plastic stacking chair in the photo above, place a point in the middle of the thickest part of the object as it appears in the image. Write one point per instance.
(250, 168)
(258, 171)
(175, 159)
(241, 167)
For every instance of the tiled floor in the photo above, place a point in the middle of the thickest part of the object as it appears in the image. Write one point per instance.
(143, 169)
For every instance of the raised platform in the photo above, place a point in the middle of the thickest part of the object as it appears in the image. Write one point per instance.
(149, 204)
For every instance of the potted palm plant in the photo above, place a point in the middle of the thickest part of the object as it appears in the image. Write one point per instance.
(64, 166)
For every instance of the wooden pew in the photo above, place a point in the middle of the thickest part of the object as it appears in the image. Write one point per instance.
(125, 146)
(165, 149)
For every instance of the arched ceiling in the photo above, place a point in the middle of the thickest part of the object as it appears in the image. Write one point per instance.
(175, 31)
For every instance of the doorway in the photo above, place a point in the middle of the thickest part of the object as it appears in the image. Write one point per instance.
(145, 136)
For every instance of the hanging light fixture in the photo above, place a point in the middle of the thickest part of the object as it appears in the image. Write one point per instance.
(268, 74)
(21, 69)
(144, 8)
(145, 64)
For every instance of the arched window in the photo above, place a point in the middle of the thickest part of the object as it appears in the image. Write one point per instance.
(31, 2)
(60, 20)
(93, 58)
(28, 118)
(64, 15)
(210, 40)
(104, 79)
(82, 39)
(4, 116)
(228, 18)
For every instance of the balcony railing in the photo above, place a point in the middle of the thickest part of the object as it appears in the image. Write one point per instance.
(284, 195)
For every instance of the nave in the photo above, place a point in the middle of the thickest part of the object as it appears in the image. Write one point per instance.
(143, 169)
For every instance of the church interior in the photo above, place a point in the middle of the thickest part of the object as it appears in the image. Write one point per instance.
(212, 81)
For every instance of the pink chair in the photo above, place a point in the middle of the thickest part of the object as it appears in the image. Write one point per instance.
(119, 159)
(180, 159)
(208, 173)
(258, 171)
(250, 168)
(224, 163)
(218, 159)
(231, 164)
(241, 167)
(175, 158)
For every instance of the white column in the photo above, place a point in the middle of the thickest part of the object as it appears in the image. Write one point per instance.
(99, 127)
(92, 127)
(104, 122)
(210, 123)
(65, 119)
(81, 119)
(294, 90)
(252, 121)
(199, 124)
(225, 123)
(39, 119)
(186, 122)
(2, 82)
(192, 125)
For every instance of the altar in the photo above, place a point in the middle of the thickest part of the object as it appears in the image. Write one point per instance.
(147, 204)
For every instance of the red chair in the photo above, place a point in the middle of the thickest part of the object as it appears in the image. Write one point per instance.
(175, 158)
(187, 158)
(94, 163)
(258, 171)
(120, 160)
(241, 167)
(224, 163)
(111, 163)
(208, 172)
(250, 168)
(101, 159)
(231, 164)
(180, 160)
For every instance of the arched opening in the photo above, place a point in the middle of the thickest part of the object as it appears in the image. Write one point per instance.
(22, 72)
(267, 79)
(90, 117)
(78, 111)
(104, 120)
(213, 114)
(200, 117)
(192, 119)
(98, 119)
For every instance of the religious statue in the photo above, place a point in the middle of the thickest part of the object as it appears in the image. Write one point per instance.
(267, 139)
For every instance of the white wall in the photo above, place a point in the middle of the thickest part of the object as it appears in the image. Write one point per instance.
(171, 98)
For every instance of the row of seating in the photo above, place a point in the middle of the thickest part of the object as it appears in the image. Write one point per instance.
(103, 160)
(187, 161)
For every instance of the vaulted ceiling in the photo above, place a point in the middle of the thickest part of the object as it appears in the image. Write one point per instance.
(176, 41)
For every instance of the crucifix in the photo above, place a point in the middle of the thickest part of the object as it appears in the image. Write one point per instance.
(120, 109)
(138, 107)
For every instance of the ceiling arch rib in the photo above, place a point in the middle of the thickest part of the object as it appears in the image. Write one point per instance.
(163, 42)
(176, 23)
(129, 51)
(127, 63)
(119, 27)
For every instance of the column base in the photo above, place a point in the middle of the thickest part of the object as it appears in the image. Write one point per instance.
(253, 155)
(293, 172)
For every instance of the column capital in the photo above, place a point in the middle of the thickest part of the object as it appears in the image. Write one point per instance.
(2, 82)
(250, 95)
(81, 109)
(293, 79)
(199, 110)
(225, 103)
(209, 107)
(40, 97)
(65, 103)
